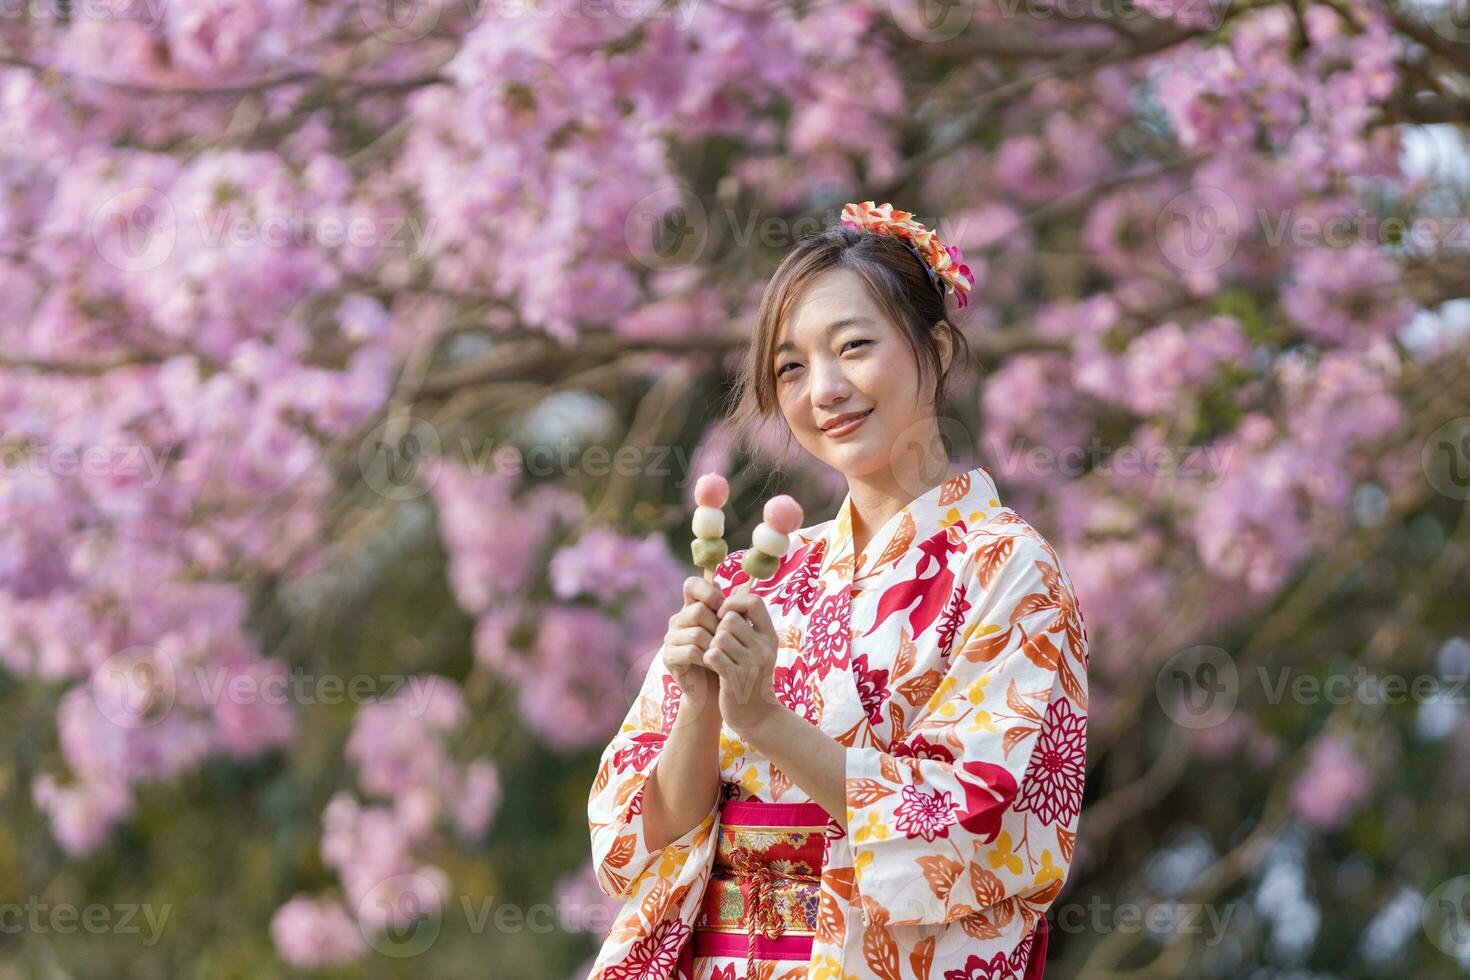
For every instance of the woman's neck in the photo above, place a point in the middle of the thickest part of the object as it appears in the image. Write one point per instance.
(876, 497)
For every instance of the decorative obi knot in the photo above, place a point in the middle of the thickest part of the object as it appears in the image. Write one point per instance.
(766, 878)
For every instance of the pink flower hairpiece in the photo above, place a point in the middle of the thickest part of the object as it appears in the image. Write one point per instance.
(945, 263)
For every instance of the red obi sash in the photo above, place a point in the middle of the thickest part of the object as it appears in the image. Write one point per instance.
(761, 900)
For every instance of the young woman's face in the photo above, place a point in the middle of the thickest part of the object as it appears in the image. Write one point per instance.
(837, 357)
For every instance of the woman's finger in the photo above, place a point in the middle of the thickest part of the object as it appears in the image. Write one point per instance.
(731, 647)
(695, 636)
(703, 616)
(753, 609)
(716, 660)
(761, 616)
(696, 614)
(683, 655)
(734, 624)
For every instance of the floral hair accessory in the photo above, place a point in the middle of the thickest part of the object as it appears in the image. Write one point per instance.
(944, 263)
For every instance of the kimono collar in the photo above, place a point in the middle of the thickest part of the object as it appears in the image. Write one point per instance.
(968, 496)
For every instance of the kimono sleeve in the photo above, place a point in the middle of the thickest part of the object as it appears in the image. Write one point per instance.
(615, 804)
(939, 821)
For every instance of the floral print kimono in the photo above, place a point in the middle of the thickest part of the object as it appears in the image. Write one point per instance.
(950, 658)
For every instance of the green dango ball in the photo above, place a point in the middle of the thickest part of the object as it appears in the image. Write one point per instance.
(708, 552)
(759, 565)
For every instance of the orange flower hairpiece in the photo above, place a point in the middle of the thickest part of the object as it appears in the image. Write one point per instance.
(945, 263)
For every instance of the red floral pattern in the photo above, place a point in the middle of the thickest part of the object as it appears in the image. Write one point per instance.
(919, 747)
(652, 957)
(643, 750)
(792, 686)
(828, 639)
(926, 815)
(998, 967)
(949, 623)
(1053, 788)
(796, 584)
(872, 688)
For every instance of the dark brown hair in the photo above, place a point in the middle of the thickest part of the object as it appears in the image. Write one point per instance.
(900, 286)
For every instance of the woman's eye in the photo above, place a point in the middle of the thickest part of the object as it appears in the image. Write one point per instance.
(851, 342)
(782, 369)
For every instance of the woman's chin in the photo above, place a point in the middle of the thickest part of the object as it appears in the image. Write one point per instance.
(856, 457)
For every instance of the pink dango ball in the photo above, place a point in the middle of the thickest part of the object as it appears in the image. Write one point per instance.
(782, 513)
(711, 490)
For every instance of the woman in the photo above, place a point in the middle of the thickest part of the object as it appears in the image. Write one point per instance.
(872, 766)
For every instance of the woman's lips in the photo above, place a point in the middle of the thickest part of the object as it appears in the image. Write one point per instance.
(838, 431)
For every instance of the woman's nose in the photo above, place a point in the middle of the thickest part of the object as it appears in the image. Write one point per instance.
(829, 385)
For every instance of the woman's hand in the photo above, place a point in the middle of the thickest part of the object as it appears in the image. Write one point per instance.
(691, 630)
(743, 654)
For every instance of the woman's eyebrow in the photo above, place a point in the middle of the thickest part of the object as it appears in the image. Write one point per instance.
(833, 327)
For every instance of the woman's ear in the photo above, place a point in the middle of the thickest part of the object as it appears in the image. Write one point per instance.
(944, 338)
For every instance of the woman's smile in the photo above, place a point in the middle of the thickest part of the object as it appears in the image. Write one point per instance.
(847, 427)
